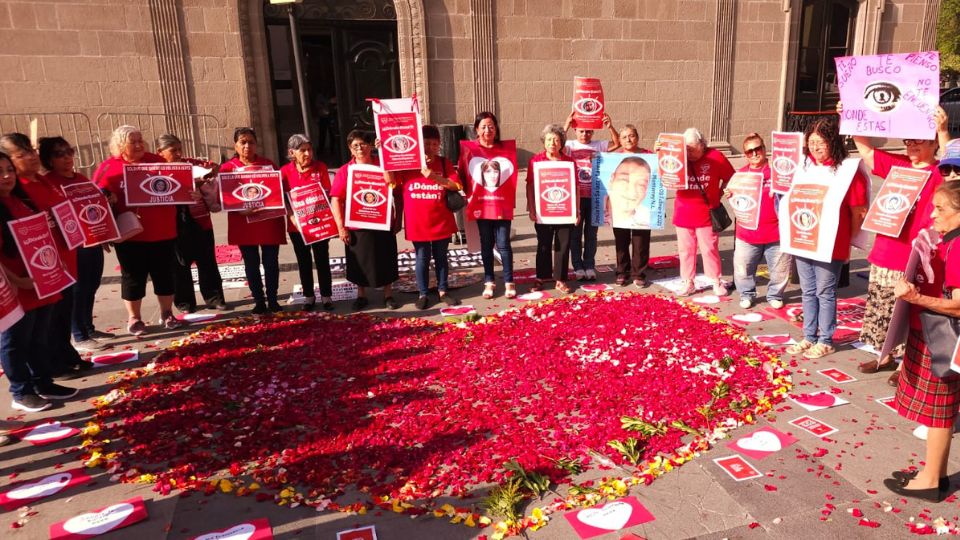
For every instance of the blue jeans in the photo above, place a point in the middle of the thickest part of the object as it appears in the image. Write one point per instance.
(25, 350)
(438, 250)
(746, 258)
(495, 231)
(89, 273)
(271, 271)
(583, 243)
(818, 283)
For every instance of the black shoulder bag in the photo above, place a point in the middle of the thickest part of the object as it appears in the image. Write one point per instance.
(454, 200)
(719, 218)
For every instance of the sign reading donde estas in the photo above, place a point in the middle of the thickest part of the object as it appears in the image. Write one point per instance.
(251, 190)
(672, 161)
(892, 206)
(369, 199)
(746, 190)
(588, 105)
(786, 155)
(93, 213)
(810, 212)
(398, 126)
(311, 210)
(555, 186)
(889, 95)
(40, 255)
(154, 184)
(492, 177)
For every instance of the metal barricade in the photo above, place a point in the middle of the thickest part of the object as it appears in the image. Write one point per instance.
(75, 127)
(201, 134)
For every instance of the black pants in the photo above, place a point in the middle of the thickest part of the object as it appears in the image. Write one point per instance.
(139, 260)
(320, 252)
(64, 355)
(197, 246)
(271, 271)
(553, 251)
(628, 265)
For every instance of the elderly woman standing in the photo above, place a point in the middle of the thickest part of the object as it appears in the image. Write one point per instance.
(195, 240)
(818, 280)
(922, 396)
(259, 241)
(555, 238)
(709, 172)
(303, 170)
(371, 255)
(150, 253)
(631, 266)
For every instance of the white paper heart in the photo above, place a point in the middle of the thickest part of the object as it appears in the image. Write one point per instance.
(198, 317)
(48, 431)
(41, 488)
(100, 522)
(612, 516)
(707, 299)
(237, 532)
(506, 171)
(538, 295)
(748, 317)
(761, 441)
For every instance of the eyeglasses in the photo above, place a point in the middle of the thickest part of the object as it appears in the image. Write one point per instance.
(911, 142)
(755, 150)
(64, 153)
(359, 146)
(947, 170)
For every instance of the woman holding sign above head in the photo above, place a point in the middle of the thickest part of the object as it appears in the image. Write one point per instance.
(371, 254)
(826, 154)
(897, 215)
(259, 240)
(555, 237)
(303, 171)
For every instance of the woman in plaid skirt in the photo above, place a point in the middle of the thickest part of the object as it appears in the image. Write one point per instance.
(921, 396)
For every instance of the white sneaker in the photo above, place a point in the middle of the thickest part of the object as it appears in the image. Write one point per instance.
(776, 304)
(746, 303)
(578, 274)
(590, 274)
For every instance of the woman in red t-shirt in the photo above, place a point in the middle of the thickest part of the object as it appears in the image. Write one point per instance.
(922, 396)
(818, 280)
(303, 170)
(553, 241)
(151, 252)
(25, 347)
(259, 240)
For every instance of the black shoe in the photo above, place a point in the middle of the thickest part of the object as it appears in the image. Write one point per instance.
(309, 305)
(55, 391)
(906, 476)
(30, 403)
(274, 307)
(359, 304)
(328, 305)
(391, 303)
(186, 308)
(220, 306)
(422, 302)
(259, 308)
(931, 494)
(83, 365)
(449, 300)
(102, 335)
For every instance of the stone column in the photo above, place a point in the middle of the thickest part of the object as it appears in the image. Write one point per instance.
(484, 67)
(168, 38)
(412, 48)
(928, 36)
(722, 74)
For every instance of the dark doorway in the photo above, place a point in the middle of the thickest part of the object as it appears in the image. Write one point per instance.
(826, 32)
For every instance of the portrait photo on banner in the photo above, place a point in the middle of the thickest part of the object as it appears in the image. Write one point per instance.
(627, 191)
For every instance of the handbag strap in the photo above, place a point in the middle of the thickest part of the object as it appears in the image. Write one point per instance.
(704, 194)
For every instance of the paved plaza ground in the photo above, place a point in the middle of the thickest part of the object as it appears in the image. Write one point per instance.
(809, 489)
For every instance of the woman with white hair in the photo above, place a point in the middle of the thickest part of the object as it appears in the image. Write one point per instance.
(708, 174)
(151, 252)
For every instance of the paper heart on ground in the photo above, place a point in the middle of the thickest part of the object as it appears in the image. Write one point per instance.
(116, 358)
(596, 287)
(257, 529)
(751, 317)
(818, 400)
(707, 299)
(47, 432)
(197, 317)
(26, 492)
(457, 311)
(775, 339)
(534, 296)
(762, 441)
(97, 522)
(611, 516)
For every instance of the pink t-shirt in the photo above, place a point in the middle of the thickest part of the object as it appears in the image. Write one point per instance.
(768, 226)
(891, 252)
(582, 155)
(425, 213)
(712, 172)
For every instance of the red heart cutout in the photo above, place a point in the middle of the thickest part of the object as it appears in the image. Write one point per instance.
(115, 358)
(774, 339)
(815, 400)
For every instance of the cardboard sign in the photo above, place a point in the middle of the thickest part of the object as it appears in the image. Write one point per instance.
(93, 212)
(888, 402)
(492, 175)
(155, 184)
(69, 224)
(40, 255)
(28, 491)
(627, 192)
(555, 186)
(361, 533)
(588, 105)
(762, 443)
(738, 468)
(836, 375)
(10, 309)
(672, 161)
(104, 520)
(369, 199)
(311, 210)
(251, 190)
(786, 156)
(122, 357)
(810, 212)
(255, 529)
(398, 126)
(890, 209)
(889, 95)
(608, 517)
(813, 426)
(46, 433)
(746, 198)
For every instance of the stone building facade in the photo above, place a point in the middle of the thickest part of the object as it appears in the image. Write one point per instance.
(727, 66)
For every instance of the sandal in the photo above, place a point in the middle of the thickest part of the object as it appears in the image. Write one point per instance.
(819, 351)
(537, 286)
(511, 290)
(488, 290)
(563, 287)
(800, 347)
